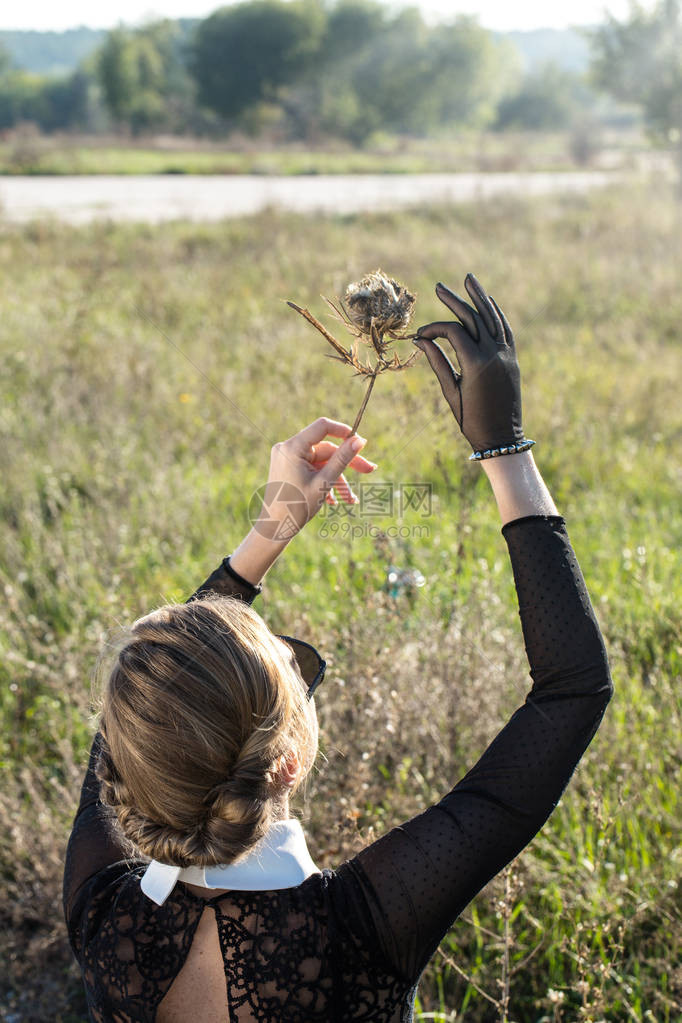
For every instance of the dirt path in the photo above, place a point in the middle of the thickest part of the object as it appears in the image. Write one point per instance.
(168, 197)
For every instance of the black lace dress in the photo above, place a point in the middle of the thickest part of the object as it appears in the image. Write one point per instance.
(351, 943)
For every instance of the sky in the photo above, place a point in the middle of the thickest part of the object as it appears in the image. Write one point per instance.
(494, 14)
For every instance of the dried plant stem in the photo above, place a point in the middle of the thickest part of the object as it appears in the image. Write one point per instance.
(322, 329)
(374, 336)
(505, 981)
(465, 976)
(364, 404)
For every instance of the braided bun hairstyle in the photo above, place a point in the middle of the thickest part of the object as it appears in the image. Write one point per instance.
(199, 707)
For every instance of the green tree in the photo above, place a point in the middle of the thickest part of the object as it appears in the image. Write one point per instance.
(349, 67)
(418, 80)
(639, 60)
(5, 60)
(51, 103)
(352, 25)
(21, 94)
(66, 102)
(323, 97)
(244, 55)
(142, 76)
(467, 72)
(392, 72)
(547, 99)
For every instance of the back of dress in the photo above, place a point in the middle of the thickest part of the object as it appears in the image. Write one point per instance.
(299, 955)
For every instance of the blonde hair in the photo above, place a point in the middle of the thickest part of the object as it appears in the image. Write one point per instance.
(200, 704)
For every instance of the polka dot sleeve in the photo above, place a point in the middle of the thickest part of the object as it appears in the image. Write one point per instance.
(418, 878)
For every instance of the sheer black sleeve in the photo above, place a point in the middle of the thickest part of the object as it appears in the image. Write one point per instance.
(93, 843)
(417, 879)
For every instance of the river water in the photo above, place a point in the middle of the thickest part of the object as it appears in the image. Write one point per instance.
(153, 198)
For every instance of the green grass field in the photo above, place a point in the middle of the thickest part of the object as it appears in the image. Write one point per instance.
(26, 152)
(146, 373)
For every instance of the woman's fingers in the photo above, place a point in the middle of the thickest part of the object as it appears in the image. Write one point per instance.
(316, 467)
(438, 360)
(312, 434)
(344, 490)
(448, 377)
(323, 451)
(361, 464)
(484, 306)
(459, 307)
(508, 335)
(342, 487)
(466, 348)
(338, 461)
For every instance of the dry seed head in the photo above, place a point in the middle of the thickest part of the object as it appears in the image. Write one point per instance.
(374, 307)
(379, 301)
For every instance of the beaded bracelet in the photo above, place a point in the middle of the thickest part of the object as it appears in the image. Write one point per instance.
(511, 449)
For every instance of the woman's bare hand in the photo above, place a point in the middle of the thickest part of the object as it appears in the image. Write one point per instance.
(304, 472)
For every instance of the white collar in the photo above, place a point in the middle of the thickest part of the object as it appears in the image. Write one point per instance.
(279, 860)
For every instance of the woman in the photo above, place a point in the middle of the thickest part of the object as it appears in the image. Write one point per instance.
(189, 893)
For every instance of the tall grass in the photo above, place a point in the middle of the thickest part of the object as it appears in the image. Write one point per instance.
(146, 373)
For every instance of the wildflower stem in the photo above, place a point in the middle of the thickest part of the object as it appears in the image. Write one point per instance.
(322, 329)
(364, 403)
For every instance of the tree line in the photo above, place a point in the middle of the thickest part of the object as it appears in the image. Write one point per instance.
(310, 69)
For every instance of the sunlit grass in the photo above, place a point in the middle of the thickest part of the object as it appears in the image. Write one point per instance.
(25, 152)
(146, 373)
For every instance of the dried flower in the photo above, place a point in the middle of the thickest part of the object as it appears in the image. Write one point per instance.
(374, 310)
(379, 301)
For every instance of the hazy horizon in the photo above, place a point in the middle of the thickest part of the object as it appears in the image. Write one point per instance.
(526, 15)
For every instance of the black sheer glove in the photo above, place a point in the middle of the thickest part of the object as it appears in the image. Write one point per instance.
(486, 396)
